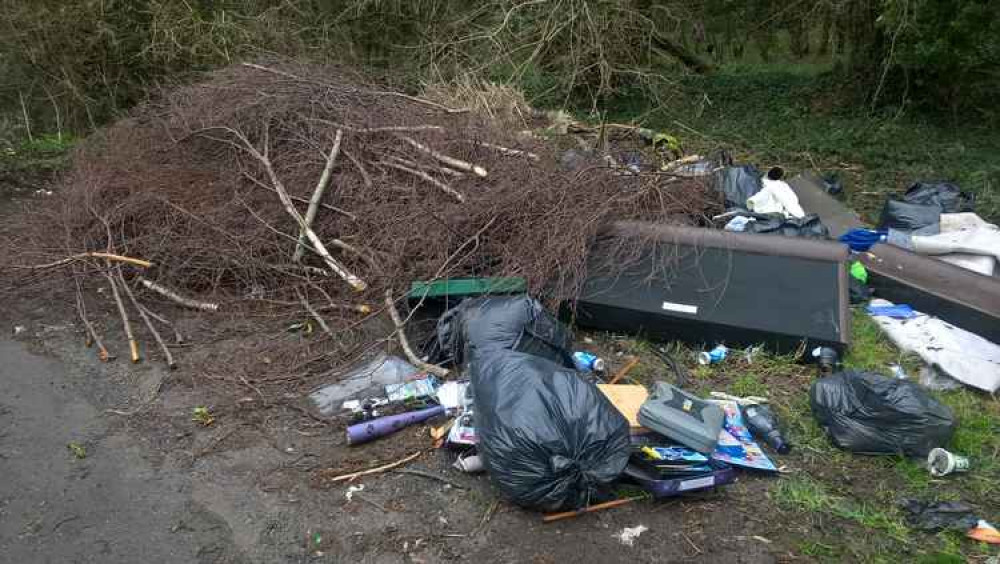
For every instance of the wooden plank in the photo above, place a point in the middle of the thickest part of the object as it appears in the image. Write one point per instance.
(627, 398)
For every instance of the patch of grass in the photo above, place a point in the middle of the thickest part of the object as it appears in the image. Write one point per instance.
(42, 154)
(748, 385)
(914, 474)
(805, 494)
(817, 549)
(978, 437)
(870, 350)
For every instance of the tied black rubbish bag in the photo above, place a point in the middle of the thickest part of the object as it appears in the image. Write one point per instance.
(490, 324)
(871, 414)
(549, 439)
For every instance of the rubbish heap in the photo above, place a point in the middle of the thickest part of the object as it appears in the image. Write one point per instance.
(551, 433)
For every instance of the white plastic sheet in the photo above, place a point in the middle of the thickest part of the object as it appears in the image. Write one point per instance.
(964, 356)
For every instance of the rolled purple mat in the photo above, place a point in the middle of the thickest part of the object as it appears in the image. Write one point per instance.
(371, 430)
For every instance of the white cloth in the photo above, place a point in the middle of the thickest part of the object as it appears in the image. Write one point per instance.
(963, 234)
(965, 356)
(776, 196)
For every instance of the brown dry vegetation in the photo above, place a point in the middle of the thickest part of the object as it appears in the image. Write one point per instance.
(188, 182)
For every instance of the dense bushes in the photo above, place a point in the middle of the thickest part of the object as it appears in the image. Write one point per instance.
(73, 64)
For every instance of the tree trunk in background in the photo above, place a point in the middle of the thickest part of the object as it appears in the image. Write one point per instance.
(798, 35)
(865, 38)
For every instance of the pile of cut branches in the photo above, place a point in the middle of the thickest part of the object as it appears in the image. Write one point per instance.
(290, 191)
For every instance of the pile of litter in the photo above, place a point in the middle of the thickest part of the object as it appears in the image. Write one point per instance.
(299, 192)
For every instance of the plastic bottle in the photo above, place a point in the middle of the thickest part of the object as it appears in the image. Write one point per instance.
(827, 358)
(763, 424)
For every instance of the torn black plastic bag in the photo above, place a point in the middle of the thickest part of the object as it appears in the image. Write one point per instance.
(943, 195)
(808, 226)
(869, 413)
(738, 183)
(922, 219)
(518, 323)
(549, 439)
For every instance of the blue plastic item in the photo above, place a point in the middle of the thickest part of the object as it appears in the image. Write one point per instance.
(860, 240)
(898, 311)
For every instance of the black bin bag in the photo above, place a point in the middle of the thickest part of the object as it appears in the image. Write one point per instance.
(549, 439)
(869, 413)
(943, 195)
(738, 183)
(495, 323)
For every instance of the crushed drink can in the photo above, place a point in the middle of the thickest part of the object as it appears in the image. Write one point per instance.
(587, 362)
(718, 354)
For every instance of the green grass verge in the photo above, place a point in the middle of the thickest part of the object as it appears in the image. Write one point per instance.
(806, 494)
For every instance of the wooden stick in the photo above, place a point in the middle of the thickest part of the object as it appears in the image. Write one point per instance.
(450, 161)
(361, 168)
(424, 176)
(681, 161)
(178, 337)
(324, 181)
(405, 344)
(133, 345)
(430, 476)
(380, 469)
(632, 363)
(149, 322)
(550, 517)
(177, 298)
(399, 128)
(76, 257)
(102, 351)
(376, 92)
(341, 211)
(411, 164)
(315, 314)
(508, 151)
(286, 201)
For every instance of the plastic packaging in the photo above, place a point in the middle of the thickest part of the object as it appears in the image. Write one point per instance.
(549, 439)
(763, 425)
(683, 417)
(659, 487)
(412, 390)
(366, 380)
(872, 414)
(935, 516)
